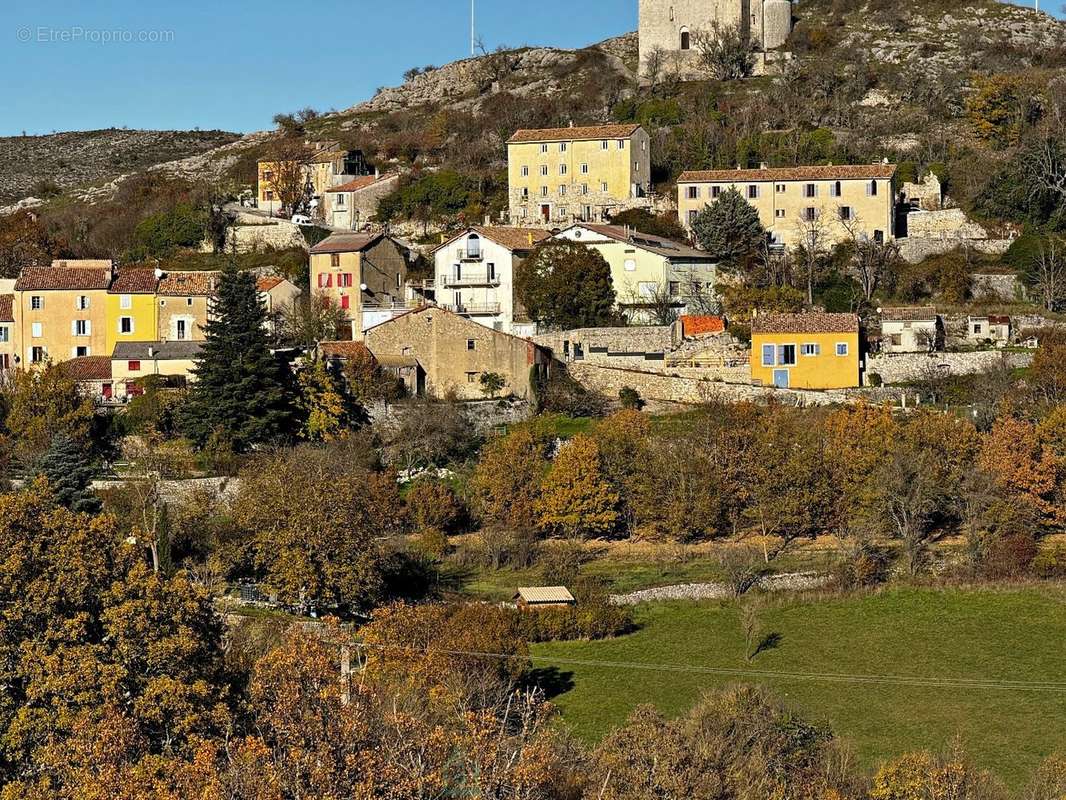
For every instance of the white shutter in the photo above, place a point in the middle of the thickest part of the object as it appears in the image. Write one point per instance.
(88, 327)
(73, 327)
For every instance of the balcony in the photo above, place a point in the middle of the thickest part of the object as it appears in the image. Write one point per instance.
(475, 309)
(470, 255)
(468, 278)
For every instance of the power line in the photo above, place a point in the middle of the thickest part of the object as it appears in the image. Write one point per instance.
(914, 681)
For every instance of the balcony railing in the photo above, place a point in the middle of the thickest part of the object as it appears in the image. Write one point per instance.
(475, 309)
(468, 255)
(472, 279)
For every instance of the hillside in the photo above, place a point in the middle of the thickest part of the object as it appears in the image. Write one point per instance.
(43, 165)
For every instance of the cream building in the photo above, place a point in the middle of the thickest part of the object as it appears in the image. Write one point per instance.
(910, 329)
(563, 175)
(133, 361)
(474, 274)
(647, 270)
(796, 203)
(184, 300)
(60, 312)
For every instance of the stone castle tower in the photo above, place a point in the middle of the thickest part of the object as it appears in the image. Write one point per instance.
(672, 25)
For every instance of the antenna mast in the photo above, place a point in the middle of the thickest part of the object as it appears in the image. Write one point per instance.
(473, 38)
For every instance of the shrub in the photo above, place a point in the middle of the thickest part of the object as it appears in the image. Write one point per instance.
(1009, 556)
(433, 505)
(874, 379)
(593, 617)
(630, 398)
(1050, 562)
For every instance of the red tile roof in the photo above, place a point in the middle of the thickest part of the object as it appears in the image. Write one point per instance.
(512, 238)
(346, 243)
(693, 325)
(7, 302)
(573, 134)
(363, 182)
(808, 173)
(908, 313)
(813, 322)
(191, 284)
(48, 278)
(268, 282)
(87, 368)
(343, 350)
(134, 281)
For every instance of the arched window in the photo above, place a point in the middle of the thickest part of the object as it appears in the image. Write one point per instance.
(686, 42)
(473, 246)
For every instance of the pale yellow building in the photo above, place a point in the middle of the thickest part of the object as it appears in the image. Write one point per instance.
(132, 362)
(564, 175)
(359, 272)
(184, 305)
(60, 312)
(324, 167)
(832, 203)
(7, 332)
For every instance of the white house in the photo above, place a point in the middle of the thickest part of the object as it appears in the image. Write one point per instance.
(910, 329)
(474, 274)
(994, 329)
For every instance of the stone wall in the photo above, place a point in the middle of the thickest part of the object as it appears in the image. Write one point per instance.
(625, 345)
(904, 367)
(914, 249)
(1005, 287)
(255, 234)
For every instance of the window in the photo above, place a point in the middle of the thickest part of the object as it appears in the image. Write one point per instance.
(37, 355)
(630, 265)
(604, 144)
(562, 147)
(786, 355)
(584, 188)
(692, 192)
(81, 351)
(334, 259)
(835, 189)
(268, 175)
(525, 193)
(81, 327)
(675, 288)
(621, 144)
(584, 169)
(562, 190)
(564, 212)
(603, 187)
(692, 217)
(686, 39)
(525, 172)
(544, 148)
(544, 170)
(5, 333)
(810, 190)
(188, 301)
(715, 192)
(879, 236)
(346, 302)
(36, 330)
(340, 199)
(180, 329)
(344, 279)
(846, 213)
(896, 339)
(471, 344)
(543, 191)
(562, 169)
(810, 214)
(125, 324)
(471, 377)
(842, 348)
(133, 366)
(325, 280)
(269, 197)
(977, 327)
(490, 269)
(871, 189)
(779, 188)
(779, 213)
(767, 355)
(36, 302)
(125, 301)
(82, 302)
(753, 192)
(810, 349)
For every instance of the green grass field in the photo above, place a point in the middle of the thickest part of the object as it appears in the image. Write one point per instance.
(1016, 634)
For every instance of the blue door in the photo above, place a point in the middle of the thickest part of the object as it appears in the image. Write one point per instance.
(781, 378)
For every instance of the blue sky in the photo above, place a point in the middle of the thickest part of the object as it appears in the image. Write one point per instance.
(233, 64)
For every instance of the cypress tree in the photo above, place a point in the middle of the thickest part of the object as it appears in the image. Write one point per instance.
(69, 473)
(243, 395)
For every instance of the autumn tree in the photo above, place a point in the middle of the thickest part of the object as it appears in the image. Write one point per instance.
(935, 776)
(42, 403)
(1024, 467)
(575, 499)
(24, 242)
(288, 175)
(506, 481)
(1047, 374)
(565, 284)
(729, 229)
(328, 410)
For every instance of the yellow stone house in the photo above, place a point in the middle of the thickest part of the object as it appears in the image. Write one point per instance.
(568, 174)
(60, 312)
(796, 203)
(132, 311)
(806, 351)
(359, 272)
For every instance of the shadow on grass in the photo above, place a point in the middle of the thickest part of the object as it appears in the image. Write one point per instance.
(769, 642)
(551, 680)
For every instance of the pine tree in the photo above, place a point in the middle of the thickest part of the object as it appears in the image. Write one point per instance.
(729, 228)
(243, 395)
(69, 474)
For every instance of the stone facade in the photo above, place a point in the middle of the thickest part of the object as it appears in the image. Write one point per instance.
(904, 367)
(254, 234)
(633, 347)
(925, 195)
(1005, 287)
(354, 204)
(671, 27)
(914, 249)
(453, 352)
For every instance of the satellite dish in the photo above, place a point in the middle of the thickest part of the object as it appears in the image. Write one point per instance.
(363, 287)
(158, 273)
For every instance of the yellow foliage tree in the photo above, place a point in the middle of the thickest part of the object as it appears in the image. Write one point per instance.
(575, 498)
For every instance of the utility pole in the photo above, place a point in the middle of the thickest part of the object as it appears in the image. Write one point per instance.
(473, 37)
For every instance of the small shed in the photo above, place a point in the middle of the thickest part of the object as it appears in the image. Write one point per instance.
(541, 596)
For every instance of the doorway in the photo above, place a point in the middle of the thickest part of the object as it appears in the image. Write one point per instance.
(781, 378)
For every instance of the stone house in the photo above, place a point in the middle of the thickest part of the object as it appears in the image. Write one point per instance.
(648, 271)
(994, 329)
(815, 350)
(798, 203)
(563, 175)
(327, 165)
(361, 273)
(911, 329)
(452, 352)
(60, 312)
(92, 374)
(184, 300)
(474, 274)
(631, 346)
(353, 204)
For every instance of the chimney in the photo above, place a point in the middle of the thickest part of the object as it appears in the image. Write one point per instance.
(530, 237)
(377, 174)
(762, 165)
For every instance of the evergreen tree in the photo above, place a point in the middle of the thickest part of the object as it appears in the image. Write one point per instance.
(243, 395)
(729, 229)
(567, 285)
(69, 474)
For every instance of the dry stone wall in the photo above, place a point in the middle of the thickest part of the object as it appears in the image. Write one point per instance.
(904, 367)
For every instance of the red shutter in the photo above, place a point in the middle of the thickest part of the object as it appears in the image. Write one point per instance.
(345, 301)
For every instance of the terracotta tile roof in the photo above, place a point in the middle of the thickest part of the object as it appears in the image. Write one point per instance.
(87, 368)
(813, 322)
(180, 284)
(573, 134)
(7, 302)
(513, 238)
(908, 314)
(134, 281)
(808, 173)
(162, 351)
(47, 278)
(268, 282)
(83, 263)
(646, 241)
(999, 319)
(363, 182)
(345, 243)
(343, 350)
(694, 325)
